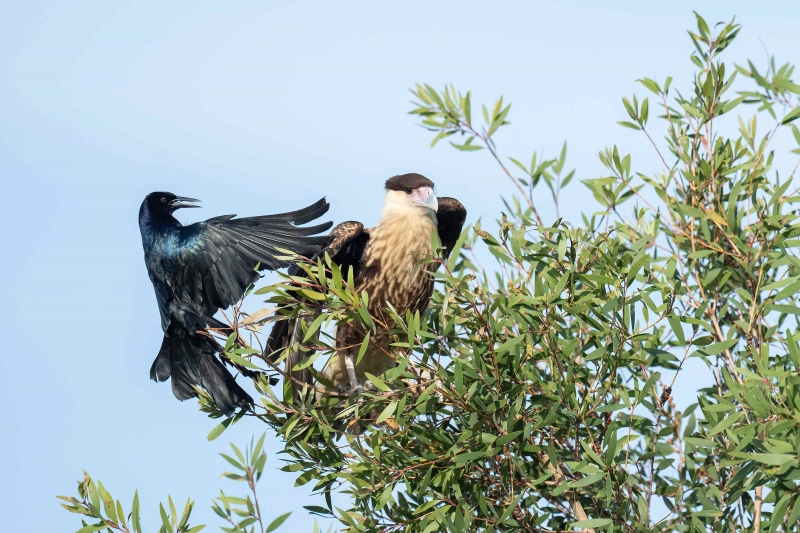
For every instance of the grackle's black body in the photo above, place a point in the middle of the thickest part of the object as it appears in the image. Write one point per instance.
(203, 267)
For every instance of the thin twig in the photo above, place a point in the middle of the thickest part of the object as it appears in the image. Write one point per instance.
(757, 509)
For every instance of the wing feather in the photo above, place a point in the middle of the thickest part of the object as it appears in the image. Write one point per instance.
(220, 255)
(162, 297)
(345, 246)
(451, 217)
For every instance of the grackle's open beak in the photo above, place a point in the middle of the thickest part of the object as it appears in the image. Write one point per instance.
(178, 202)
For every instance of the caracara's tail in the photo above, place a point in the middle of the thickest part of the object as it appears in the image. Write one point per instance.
(191, 359)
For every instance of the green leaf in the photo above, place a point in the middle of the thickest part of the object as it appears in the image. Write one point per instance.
(464, 458)
(312, 295)
(386, 496)
(719, 347)
(94, 496)
(784, 308)
(787, 292)
(314, 326)
(771, 459)
(305, 477)
(275, 524)
(363, 348)
(651, 85)
(698, 442)
(593, 522)
(630, 125)
(468, 146)
(379, 383)
(387, 412)
(165, 522)
(780, 283)
(93, 527)
(792, 115)
(258, 449)
(135, 522)
(726, 422)
(233, 462)
(677, 328)
(241, 361)
(586, 481)
(610, 408)
(108, 502)
(219, 429)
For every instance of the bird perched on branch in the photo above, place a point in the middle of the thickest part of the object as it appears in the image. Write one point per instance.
(386, 263)
(203, 267)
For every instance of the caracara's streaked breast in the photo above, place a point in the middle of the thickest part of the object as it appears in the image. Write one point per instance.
(394, 271)
(392, 274)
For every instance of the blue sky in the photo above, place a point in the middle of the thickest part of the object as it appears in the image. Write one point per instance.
(257, 107)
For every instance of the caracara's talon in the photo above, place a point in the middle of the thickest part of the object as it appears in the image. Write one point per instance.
(344, 390)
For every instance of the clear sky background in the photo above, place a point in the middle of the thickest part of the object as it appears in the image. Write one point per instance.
(257, 107)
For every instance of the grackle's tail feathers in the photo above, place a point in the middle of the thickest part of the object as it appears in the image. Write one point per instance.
(191, 359)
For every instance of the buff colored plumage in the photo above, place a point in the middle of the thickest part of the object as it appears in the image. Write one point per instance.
(387, 264)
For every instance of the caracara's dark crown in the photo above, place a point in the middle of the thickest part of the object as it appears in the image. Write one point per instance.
(407, 181)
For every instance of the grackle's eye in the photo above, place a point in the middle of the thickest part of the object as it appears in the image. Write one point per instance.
(163, 198)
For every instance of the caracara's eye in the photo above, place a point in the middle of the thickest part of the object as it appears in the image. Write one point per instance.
(164, 199)
(408, 190)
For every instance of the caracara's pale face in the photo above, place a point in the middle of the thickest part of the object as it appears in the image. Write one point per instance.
(411, 202)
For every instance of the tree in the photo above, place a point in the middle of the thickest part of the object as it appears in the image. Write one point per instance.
(537, 395)
(241, 514)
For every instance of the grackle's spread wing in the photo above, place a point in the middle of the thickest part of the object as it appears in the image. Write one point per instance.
(215, 261)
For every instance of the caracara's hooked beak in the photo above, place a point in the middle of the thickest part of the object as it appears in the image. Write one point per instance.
(178, 202)
(424, 197)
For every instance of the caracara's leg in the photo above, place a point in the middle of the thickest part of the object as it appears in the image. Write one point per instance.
(355, 386)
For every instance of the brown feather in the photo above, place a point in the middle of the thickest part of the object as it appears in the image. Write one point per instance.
(450, 217)
(387, 262)
(391, 273)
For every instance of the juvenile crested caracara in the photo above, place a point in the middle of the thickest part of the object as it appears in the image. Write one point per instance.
(386, 264)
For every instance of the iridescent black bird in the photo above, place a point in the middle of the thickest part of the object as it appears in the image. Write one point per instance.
(203, 267)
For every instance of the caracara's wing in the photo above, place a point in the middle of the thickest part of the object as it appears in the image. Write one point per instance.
(345, 246)
(451, 216)
(215, 260)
